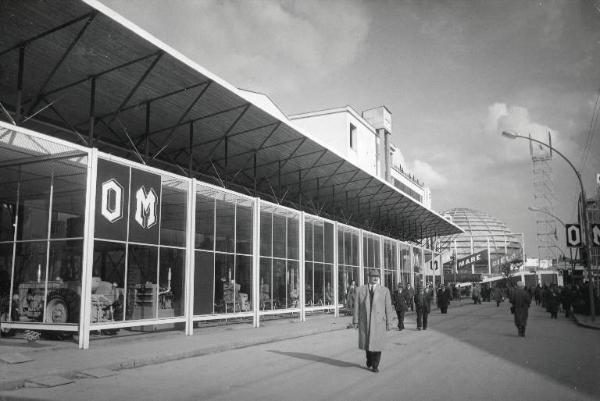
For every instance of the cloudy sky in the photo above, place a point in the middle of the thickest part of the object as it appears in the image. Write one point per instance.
(453, 73)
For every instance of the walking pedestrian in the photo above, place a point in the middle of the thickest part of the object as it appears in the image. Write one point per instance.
(411, 296)
(350, 297)
(444, 298)
(373, 316)
(553, 301)
(498, 297)
(520, 300)
(423, 306)
(401, 305)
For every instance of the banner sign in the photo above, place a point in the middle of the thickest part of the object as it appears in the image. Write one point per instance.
(478, 258)
(127, 199)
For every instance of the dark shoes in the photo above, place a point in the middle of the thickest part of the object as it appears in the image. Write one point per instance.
(418, 328)
(375, 370)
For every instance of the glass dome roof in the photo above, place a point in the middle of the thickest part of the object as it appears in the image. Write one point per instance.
(483, 232)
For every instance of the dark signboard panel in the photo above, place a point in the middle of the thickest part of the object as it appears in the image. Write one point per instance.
(127, 199)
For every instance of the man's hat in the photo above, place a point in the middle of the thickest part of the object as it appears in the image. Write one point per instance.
(374, 273)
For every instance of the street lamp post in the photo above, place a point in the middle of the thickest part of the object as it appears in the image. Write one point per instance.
(586, 231)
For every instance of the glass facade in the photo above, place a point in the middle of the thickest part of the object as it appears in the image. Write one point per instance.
(279, 275)
(348, 260)
(390, 264)
(318, 262)
(138, 273)
(371, 254)
(145, 264)
(223, 252)
(42, 209)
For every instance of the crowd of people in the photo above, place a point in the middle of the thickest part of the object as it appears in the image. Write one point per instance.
(372, 306)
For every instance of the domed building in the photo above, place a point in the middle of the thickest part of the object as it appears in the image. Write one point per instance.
(486, 243)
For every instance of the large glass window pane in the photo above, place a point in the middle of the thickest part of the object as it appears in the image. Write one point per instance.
(30, 280)
(68, 207)
(171, 280)
(225, 226)
(6, 251)
(266, 234)
(328, 277)
(225, 287)
(279, 236)
(204, 277)
(293, 241)
(376, 253)
(244, 229)
(319, 284)
(173, 215)
(293, 275)
(328, 245)
(308, 240)
(243, 277)
(8, 209)
(266, 295)
(142, 287)
(279, 284)
(318, 241)
(308, 284)
(355, 249)
(205, 223)
(108, 282)
(65, 262)
(34, 209)
(341, 247)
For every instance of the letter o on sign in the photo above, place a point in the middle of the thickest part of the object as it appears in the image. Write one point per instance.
(573, 235)
(112, 200)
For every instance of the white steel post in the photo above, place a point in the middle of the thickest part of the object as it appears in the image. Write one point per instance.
(190, 264)
(302, 260)
(336, 295)
(489, 255)
(256, 262)
(361, 264)
(411, 258)
(87, 261)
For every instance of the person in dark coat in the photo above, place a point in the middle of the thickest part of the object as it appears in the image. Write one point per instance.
(401, 304)
(373, 316)
(422, 306)
(520, 300)
(566, 299)
(444, 298)
(411, 296)
(553, 301)
(350, 297)
(498, 296)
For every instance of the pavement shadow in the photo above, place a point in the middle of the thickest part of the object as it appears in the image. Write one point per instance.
(318, 358)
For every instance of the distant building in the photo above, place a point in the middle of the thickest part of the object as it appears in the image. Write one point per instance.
(365, 140)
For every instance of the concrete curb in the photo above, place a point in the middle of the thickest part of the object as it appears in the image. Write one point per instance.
(594, 326)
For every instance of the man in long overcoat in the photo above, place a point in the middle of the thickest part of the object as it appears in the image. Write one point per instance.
(520, 300)
(373, 316)
(423, 306)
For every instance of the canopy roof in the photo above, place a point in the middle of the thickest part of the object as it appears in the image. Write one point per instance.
(79, 71)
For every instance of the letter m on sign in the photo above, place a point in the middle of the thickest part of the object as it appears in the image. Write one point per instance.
(145, 209)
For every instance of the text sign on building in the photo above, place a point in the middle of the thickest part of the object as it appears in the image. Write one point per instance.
(127, 199)
(596, 234)
(476, 258)
(573, 235)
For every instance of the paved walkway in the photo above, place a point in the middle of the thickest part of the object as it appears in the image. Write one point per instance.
(53, 360)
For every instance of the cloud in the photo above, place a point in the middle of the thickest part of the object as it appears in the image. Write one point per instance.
(424, 171)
